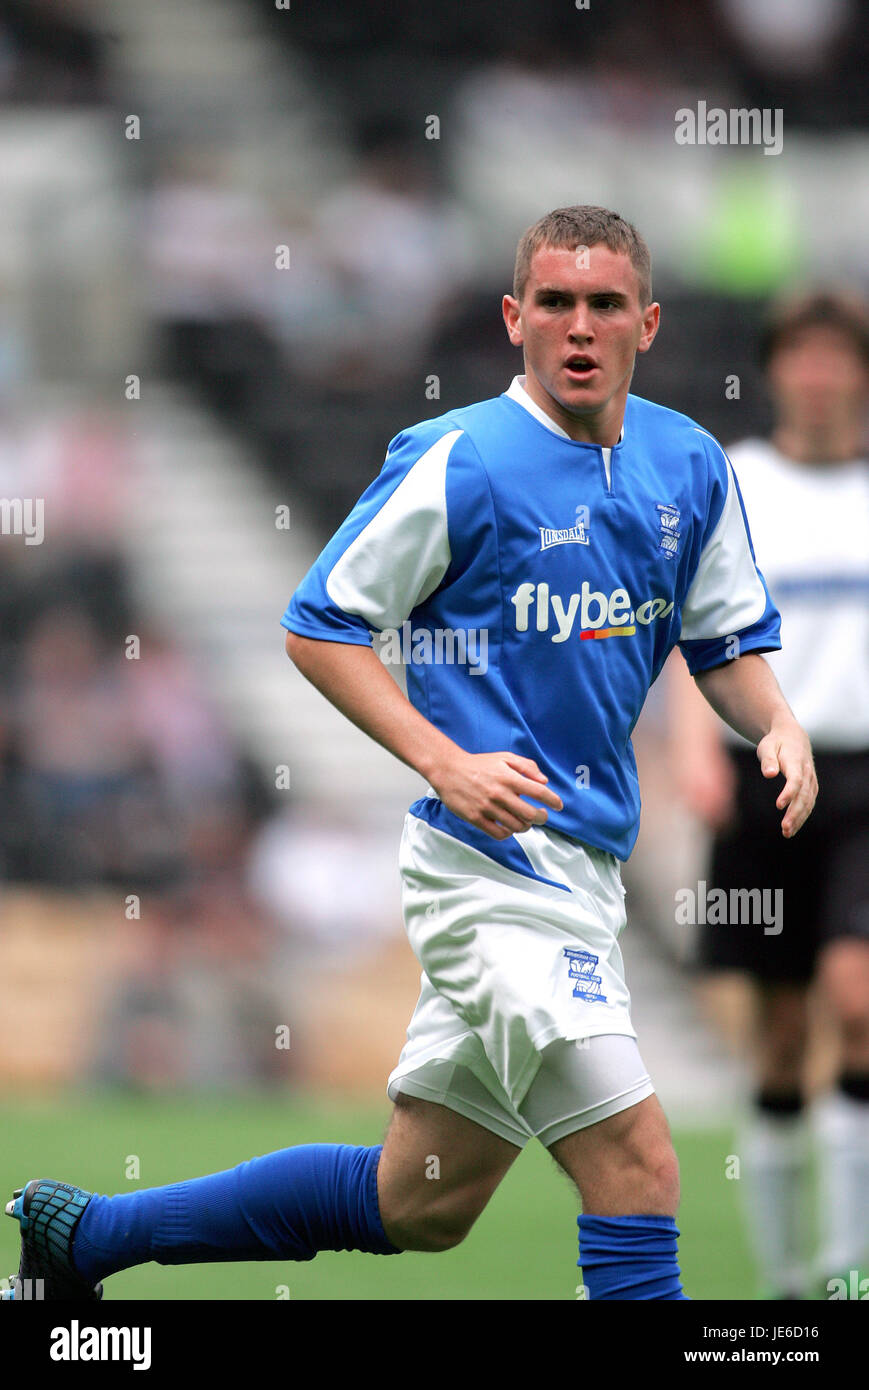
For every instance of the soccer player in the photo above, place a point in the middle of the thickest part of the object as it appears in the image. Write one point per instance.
(807, 493)
(573, 533)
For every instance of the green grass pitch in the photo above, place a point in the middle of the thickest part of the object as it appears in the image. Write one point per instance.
(523, 1246)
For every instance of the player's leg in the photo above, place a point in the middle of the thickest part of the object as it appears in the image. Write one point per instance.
(437, 1172)
(593, 1106)
(284, 1205)
(843, 973)
(843, 1116)
(624, 1164)
(774, 1142)
(782, 1036)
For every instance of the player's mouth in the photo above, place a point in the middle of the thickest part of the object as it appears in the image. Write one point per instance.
(580, 367)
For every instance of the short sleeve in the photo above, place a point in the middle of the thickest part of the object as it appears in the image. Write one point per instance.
(390, 554)
(728, 598)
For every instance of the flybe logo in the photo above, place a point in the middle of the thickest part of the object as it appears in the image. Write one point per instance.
(600, 614)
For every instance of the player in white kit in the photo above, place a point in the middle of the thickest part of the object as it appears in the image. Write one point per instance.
(807, 492)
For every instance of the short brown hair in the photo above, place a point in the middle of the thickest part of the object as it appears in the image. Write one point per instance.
(818, 308)
(584, 226)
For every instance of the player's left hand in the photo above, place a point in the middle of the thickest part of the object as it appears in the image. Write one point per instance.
(786, 751)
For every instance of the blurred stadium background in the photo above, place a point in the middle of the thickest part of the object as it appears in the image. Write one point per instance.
(240, 247)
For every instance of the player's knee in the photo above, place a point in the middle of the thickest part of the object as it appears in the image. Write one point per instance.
(647, 1172)
(663, 1172)
(634, 1183)
(429, 1231)
(420, 1218)
(441, 1233)
(656, 1170)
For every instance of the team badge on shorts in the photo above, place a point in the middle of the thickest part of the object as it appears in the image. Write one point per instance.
(586, 985)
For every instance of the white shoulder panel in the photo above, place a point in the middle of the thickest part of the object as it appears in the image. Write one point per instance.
(403, 553)
(726, 594)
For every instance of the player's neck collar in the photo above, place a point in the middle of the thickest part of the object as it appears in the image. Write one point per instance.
(516, 391)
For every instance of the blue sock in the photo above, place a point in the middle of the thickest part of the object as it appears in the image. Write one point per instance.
(629, 1257)
(285, 1205)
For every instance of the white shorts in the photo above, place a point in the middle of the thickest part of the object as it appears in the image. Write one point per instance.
(512, 965)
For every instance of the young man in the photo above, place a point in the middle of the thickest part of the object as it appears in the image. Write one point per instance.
(581, 532)
(807, 492)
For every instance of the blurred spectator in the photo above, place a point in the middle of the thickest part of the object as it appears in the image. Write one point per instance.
(209, 248)
(76, 461)
(387, 257)
(795, 37)
(90, 807)
(111, 761)
(806, 57)
(328, 877)
(202, 1002)
(207, 240)
(187, 743)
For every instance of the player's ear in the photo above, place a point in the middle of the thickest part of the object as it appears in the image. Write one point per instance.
(511, 310)
(651, 320)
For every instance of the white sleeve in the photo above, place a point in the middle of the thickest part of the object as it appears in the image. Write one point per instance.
(402, 554)
(727, 594)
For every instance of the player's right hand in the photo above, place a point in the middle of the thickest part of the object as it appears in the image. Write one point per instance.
(489, 791)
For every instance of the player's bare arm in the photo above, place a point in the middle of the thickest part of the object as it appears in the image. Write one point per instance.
(486, 789)
(705, 778)
(747, 696)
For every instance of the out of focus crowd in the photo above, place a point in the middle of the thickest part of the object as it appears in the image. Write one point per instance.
(118, 773)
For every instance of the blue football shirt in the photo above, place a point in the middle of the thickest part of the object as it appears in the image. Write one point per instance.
(535, 586)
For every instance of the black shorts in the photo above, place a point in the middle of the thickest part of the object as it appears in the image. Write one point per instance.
(822, 873)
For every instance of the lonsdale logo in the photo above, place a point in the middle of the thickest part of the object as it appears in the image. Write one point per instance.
(600, 614)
